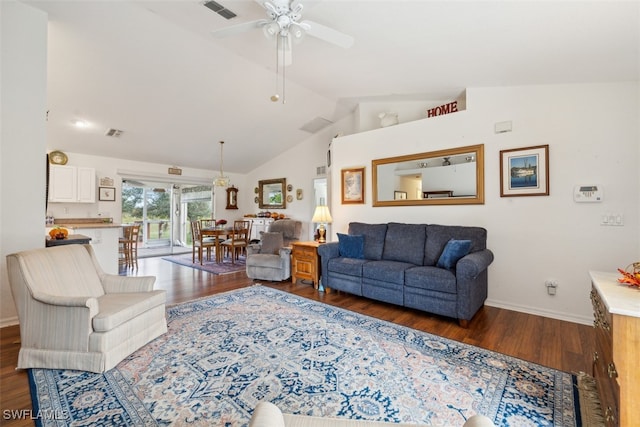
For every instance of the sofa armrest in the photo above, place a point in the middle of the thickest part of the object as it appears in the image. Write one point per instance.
(58, 323)
(112, 283)
(285, 252)
(329, 250)
(253, 248)
(65, 301)
(471, 265)
(326, 252)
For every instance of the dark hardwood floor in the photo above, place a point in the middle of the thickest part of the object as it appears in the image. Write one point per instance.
(557, 344)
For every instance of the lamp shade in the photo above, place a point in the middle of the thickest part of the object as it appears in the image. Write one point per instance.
(322, 215)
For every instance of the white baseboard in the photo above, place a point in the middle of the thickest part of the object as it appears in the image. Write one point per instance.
(9, 322)
(544, 313)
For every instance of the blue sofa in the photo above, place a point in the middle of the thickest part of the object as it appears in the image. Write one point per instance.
(399, 262)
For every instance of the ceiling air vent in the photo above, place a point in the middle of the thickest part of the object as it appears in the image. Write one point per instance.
(316, 124)
(113, 132)
(219, 9)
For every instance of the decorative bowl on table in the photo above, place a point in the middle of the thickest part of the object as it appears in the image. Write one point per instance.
(58, 233)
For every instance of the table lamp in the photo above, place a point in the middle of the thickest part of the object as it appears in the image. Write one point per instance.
(322, 216)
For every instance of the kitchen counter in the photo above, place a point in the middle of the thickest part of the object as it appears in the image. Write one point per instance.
(71, 239)
(104, 236)
(78, 223)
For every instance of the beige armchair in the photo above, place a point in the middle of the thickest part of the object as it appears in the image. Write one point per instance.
(74, 316)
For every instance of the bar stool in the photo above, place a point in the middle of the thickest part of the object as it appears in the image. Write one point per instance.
(128, 245)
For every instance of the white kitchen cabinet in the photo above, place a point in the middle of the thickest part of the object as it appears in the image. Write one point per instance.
(71, 184)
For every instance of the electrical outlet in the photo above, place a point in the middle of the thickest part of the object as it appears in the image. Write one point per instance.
(552, 286)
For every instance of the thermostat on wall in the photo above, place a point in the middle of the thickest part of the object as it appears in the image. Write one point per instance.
(588, 194)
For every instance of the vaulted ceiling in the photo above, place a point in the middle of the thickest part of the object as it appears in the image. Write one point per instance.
(153, 70)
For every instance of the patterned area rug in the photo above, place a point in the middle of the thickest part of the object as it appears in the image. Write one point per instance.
(224, 354)
(225, 267)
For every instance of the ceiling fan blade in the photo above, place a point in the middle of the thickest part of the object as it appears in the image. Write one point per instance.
(240, 28)
(329, 34)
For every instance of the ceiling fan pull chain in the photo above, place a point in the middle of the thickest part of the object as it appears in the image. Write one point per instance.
(275, 96)
(284, 97)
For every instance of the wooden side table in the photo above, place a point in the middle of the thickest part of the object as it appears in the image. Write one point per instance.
(305, 262)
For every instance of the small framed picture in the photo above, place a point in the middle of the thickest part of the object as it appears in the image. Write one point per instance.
(107, 194)
(524, 171)
(352, 185)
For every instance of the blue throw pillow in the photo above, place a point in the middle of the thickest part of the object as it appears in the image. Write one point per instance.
(453, 251)
(351, 245)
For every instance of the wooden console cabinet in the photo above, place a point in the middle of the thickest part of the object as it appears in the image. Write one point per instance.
(305, 262)
(616, 310)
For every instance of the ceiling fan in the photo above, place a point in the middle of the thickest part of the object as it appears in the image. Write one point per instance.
(284, 21)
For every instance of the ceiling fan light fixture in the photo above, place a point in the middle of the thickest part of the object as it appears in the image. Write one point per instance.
(221, 180)
(271, 29)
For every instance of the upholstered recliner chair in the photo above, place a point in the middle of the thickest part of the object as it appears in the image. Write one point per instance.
(271, 258)
(289, 228)
(74, 316)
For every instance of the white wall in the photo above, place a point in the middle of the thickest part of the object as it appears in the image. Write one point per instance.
(23, 83)
(593, 136)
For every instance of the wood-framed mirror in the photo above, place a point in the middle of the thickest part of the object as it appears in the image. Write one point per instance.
(453, 176)
(232, 198)
(271, 193)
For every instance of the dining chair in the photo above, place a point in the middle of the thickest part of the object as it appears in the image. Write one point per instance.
(128, 245)
(239, 239)
(207, 223)
(199, 243)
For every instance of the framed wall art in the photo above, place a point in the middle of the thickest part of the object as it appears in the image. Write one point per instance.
(353, 185)
(524, 171)
(107, 194)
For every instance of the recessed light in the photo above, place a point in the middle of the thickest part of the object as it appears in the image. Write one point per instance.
(79, 123)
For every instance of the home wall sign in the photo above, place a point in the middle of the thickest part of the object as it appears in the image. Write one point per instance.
(440, 110)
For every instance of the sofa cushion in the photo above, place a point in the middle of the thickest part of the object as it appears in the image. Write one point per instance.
(373, 238)
(405, 242)
(453, 251)
(431, 278)
(348, 266)
(439, 235)
(271, 242)
(119, 308)
(386, 271)
(351, 245)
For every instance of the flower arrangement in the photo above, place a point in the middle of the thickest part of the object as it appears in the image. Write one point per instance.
(58, 233)
(631, 278)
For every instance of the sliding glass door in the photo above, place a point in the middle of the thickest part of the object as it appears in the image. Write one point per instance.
(164, 211)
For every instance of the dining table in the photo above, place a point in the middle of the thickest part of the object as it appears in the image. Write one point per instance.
(220, 234)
